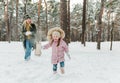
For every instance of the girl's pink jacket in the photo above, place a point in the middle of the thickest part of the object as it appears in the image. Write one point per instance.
(57, 52)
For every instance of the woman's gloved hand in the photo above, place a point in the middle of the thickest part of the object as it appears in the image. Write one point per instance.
(28, 33)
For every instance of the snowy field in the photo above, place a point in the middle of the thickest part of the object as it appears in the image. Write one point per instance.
(87, 65)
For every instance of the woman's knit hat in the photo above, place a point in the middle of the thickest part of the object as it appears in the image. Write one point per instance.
(55, 31)
(27, 17)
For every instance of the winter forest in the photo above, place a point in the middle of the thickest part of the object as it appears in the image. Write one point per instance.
(90, 53)
(90, 20)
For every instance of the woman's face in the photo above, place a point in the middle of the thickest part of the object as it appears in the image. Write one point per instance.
(28, 20)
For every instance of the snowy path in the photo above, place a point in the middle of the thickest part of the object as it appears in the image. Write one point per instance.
(88, 65)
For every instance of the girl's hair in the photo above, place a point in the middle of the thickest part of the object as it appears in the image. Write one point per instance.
(57, 43)
(49, 34)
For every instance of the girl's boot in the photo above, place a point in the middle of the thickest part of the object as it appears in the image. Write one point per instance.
(62, 70)
(54, 72)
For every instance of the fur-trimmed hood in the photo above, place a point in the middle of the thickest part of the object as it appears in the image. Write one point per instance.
(58, 29)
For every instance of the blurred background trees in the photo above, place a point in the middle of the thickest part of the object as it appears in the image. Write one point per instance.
(102, 22)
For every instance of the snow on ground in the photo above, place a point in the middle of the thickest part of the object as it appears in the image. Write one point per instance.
(87, 65)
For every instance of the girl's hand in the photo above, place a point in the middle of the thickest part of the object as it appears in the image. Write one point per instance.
(42, 47)
(68, 55)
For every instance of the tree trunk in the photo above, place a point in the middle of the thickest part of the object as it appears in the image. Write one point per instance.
(84, 22)
(6, 21)
(3, 26)
(39, 7)
(108, 38)
(100, 24)
(39, 28)
(46, 17)
(68, 19)
(63, 18)
(25, 5)
(16, 38)
(10, 21)
(111, 35)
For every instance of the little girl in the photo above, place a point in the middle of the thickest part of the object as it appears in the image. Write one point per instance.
(55, 37)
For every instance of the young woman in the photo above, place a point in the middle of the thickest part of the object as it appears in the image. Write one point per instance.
(28, 30)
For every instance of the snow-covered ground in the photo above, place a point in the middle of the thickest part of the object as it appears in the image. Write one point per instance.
(87, 65)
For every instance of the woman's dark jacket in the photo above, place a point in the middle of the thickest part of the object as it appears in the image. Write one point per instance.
(32, 36)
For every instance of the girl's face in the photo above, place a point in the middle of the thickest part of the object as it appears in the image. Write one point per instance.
(55, 37)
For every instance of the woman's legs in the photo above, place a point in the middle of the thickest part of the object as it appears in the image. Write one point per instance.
(28, 50)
